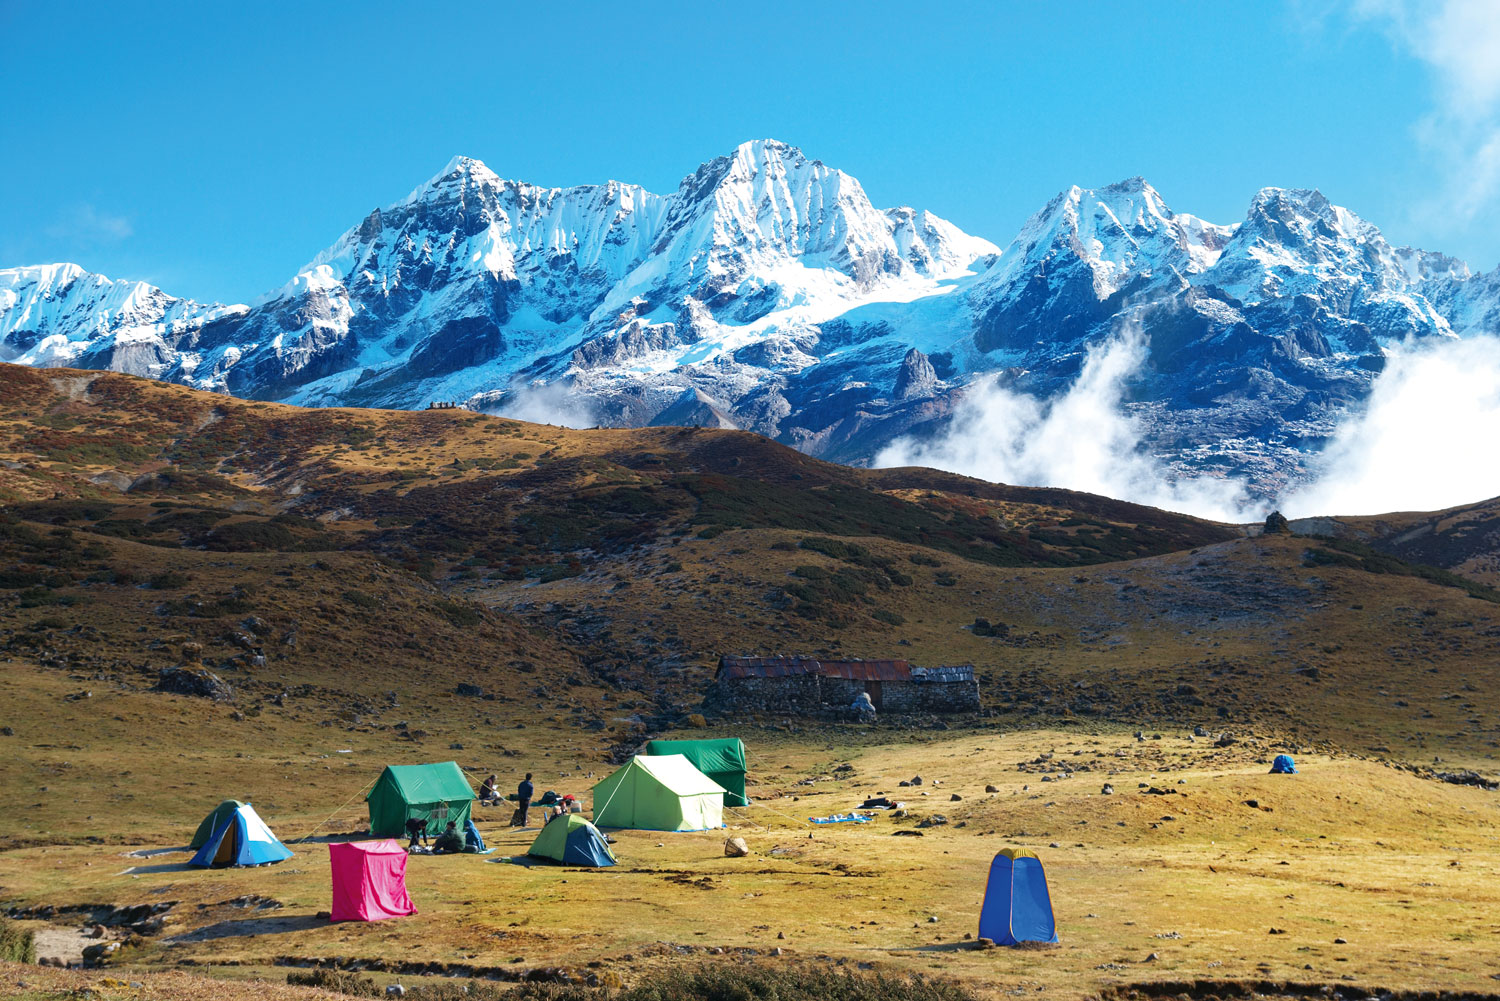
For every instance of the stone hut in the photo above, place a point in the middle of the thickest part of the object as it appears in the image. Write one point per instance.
(806, 686)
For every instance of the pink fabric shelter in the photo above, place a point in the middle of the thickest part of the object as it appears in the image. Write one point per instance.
(369, 881)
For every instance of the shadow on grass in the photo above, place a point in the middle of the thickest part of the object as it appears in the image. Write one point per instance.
(141, 870)
(153, 852)
(252, 926)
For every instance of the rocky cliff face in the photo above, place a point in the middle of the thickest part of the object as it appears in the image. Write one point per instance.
(768, 293)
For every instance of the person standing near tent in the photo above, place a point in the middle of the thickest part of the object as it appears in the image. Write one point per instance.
(524, 793)
(416, 830)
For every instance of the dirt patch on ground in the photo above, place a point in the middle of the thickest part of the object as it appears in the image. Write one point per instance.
(64, 944)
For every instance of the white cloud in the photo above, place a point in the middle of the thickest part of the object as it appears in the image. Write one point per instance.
(1080, 439)
(1426, 440)
(85, 225)
(1459, 40)
(547, 404)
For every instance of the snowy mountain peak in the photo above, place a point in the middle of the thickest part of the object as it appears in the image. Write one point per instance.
(767, 292)
(60, 314)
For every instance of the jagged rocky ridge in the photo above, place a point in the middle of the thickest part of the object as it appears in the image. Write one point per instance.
(768, 293)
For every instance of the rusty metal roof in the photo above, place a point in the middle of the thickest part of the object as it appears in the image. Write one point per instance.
(866, 670)
(766, 667)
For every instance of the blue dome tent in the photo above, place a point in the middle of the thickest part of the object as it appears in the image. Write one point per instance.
(1283, 765)
(1017, 907)
(241, 838)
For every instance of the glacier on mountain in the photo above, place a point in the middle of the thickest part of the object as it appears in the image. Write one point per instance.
(767, 293)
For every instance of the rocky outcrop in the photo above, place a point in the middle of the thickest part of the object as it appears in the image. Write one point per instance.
(194, 680)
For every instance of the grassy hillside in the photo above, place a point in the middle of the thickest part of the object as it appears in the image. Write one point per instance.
(343, 572)
(366, 547)
(1463, 539)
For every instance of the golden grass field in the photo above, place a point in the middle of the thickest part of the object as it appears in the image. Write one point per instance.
(1404, 869)
(588, 582)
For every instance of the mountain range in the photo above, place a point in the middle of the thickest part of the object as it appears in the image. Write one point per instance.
(767, 293)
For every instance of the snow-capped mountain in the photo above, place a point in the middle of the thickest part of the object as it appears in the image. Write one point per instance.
(59, 314)
(767, 292)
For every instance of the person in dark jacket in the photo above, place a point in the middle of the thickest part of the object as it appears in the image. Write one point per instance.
(416, 830)
(450, 840)
(524, 793)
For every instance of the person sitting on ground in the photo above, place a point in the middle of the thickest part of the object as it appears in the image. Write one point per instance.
(472, 841)
(449, 841)
(488, 794)
(416, 830)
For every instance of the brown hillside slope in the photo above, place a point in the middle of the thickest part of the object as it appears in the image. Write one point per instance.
(1465, 539)
(630, 560)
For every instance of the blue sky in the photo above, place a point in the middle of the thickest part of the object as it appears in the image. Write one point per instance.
(214, 148)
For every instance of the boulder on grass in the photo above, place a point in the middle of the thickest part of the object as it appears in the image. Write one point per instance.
(198, 681)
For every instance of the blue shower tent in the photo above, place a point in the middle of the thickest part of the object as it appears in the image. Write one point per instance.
(241, 838)
(1017, 907)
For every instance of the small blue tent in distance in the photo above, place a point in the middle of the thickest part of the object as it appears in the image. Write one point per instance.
(1017, 907)
(241, 838)
(1283, 764)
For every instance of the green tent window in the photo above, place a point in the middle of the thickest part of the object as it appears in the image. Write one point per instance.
(438, 793)
(721, 760)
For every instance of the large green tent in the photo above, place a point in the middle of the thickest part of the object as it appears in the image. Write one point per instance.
(659, 793)
(721, 760)
(212, 821)
(438, 792)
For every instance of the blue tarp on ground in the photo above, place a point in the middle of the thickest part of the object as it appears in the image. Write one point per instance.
(241, 838)
(1283, 765)
(1017, 907)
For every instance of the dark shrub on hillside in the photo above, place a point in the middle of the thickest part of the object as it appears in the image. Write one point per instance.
(168, 580)
(984, 627)
(360, 599)
(337, 981)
